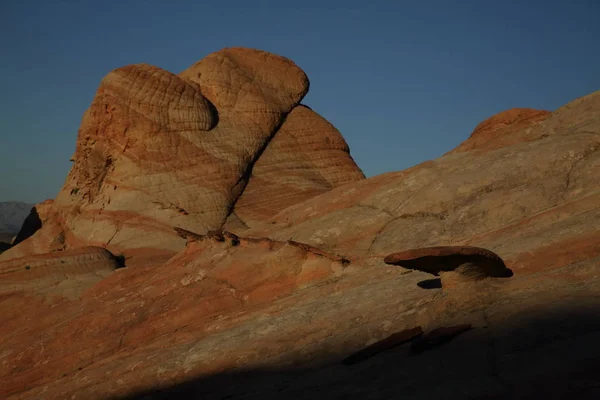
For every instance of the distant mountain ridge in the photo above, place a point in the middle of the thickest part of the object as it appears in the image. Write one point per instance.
(12, 215)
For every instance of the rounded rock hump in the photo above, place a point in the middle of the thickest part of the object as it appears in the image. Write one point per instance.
(307, 157)
(248, 80)
(167, 100)
(503, 129)
(157, 150)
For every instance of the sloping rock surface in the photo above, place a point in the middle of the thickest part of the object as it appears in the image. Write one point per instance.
(66, 273)
(271, 310)
(503, 129)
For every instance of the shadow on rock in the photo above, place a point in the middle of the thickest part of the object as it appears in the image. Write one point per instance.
(435, 283)
(31, 225)
(551, 355)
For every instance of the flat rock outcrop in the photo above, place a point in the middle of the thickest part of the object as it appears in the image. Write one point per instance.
(66, 273)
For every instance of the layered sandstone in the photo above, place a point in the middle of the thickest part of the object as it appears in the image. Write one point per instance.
(157, 150)
(307, 157)
(272, 310)
(67, 273)
(532, 190)
(503, 129)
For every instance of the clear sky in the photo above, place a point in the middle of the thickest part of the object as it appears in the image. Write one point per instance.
(404, 81)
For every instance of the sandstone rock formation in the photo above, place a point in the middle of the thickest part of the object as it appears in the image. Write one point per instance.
(462, 199)
(307, 157)
(227, 301)
(65, 273)
(157, 150)
(503, 129)
(455, 264)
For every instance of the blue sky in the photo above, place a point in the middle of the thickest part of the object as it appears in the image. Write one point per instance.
(404, 81)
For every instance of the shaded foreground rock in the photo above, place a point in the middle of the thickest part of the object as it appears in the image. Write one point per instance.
(438, 337)
(390, 342)
(504, 361)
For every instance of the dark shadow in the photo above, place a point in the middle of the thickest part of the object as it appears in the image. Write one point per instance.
(437, 337)
(550, 355)
(120, 261)
(4, 246)
(395, 340)
(472, 262)
(435, 283)
(31, 225)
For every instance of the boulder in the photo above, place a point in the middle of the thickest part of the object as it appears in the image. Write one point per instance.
(157, 150)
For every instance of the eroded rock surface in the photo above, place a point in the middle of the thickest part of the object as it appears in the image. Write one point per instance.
(67, 273)
(157, 150)
(532, 192)
(455, 264)
(269, 308)
(504, 129)
(307, 157)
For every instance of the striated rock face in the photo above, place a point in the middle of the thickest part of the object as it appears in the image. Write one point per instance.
(157, 150)
(67, 273)
(301, 304)
(503, 129)
(455, 264)
(530, 190)
(307, 157)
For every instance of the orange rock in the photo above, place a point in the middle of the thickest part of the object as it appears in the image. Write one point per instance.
(274, 307)
(307, 157)
(157, 150)
(503, 129)
(472, 262)
(65, 273)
